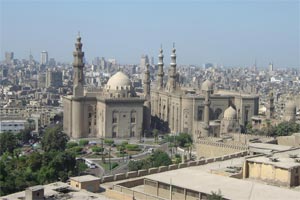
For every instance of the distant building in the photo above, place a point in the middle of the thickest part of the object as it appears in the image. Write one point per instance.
(9, 57)
(114, 112)
(52, 62)
(144, 61)
(87, 182)
(44, 57)
(271, 67)
(280, 168)
(13, 126)
(53, 78)
(42, 80)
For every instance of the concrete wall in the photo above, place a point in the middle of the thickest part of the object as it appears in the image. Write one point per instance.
(293, 140)
(210, 149)
(268, 173)
(145, 172)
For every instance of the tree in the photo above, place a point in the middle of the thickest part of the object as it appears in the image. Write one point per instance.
(24, 136)
(83, 142)
(54, 139)
(8, 142)
(97, 149)
(215, 195)
(109, 142)
(71, 145)
(160, 158)
(155, 134)
(183, 139)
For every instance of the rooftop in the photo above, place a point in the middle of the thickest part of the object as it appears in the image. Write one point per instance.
(60, 190)
(231, 188)
(284, 159)
(85, 178)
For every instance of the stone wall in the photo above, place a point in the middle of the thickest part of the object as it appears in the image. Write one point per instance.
(145, 172)
(208, 149)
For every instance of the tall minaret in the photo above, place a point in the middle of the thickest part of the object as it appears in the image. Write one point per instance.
(78, 79)
(147, 82)
(172, 71)
(271, 107)
(147, 103)
(160, 74)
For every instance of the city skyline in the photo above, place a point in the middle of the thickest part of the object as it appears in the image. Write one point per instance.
(230, 33)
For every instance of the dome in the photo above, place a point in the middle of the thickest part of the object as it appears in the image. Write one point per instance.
(230, 113)
(119, 81)
(207, 85)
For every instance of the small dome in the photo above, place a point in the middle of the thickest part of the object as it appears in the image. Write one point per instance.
(230, 113)
(207, 85)
(119, 81)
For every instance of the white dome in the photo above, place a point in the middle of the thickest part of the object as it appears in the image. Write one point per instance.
(230, 113)
(207, 85)
(119, 81)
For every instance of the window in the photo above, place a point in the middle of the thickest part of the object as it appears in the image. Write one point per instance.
(114, 134)
(164, 186)
(90, 115)
(132, 120)
(200, 114)
(115, 120)
(132, 134)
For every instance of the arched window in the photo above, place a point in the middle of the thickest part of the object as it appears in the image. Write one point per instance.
(133, 116)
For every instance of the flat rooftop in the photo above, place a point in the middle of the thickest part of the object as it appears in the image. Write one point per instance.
(273, 147)
(198, 180)
(284, 159)
(51, 191)
(85, 178)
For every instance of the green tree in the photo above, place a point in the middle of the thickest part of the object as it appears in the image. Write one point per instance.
(8, 142)
(184, 138)
(160, 158)
(24, 136)
(109, 142)
(97, 149)
(155, 135)
(83, 142)
(71, 145)
(215, 195)
(54, 139)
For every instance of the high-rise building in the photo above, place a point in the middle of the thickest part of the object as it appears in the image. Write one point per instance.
(44, 57)
(9, 56)
(144, 61)
(271, 68)
(53, 78)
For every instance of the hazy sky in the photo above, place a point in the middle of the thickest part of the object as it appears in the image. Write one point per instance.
(232, 33)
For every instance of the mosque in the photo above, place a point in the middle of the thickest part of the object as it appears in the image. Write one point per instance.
(118, 112)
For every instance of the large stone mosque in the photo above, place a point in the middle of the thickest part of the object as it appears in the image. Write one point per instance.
(118, 112)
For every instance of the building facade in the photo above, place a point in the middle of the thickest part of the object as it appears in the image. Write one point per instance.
(114, 112)
(191, 112)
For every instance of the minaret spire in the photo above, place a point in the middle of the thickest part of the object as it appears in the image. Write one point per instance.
(172, 71)
(160, 74)
(147, 82)
(78, 79)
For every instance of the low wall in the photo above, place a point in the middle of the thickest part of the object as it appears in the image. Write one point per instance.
(153, 170)
(163, 168)
(145, 172)
(212, 149)
(120, 176)
(142, 172)
(174, 166)
(135, 195)
(131, 174)
(109, 178)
